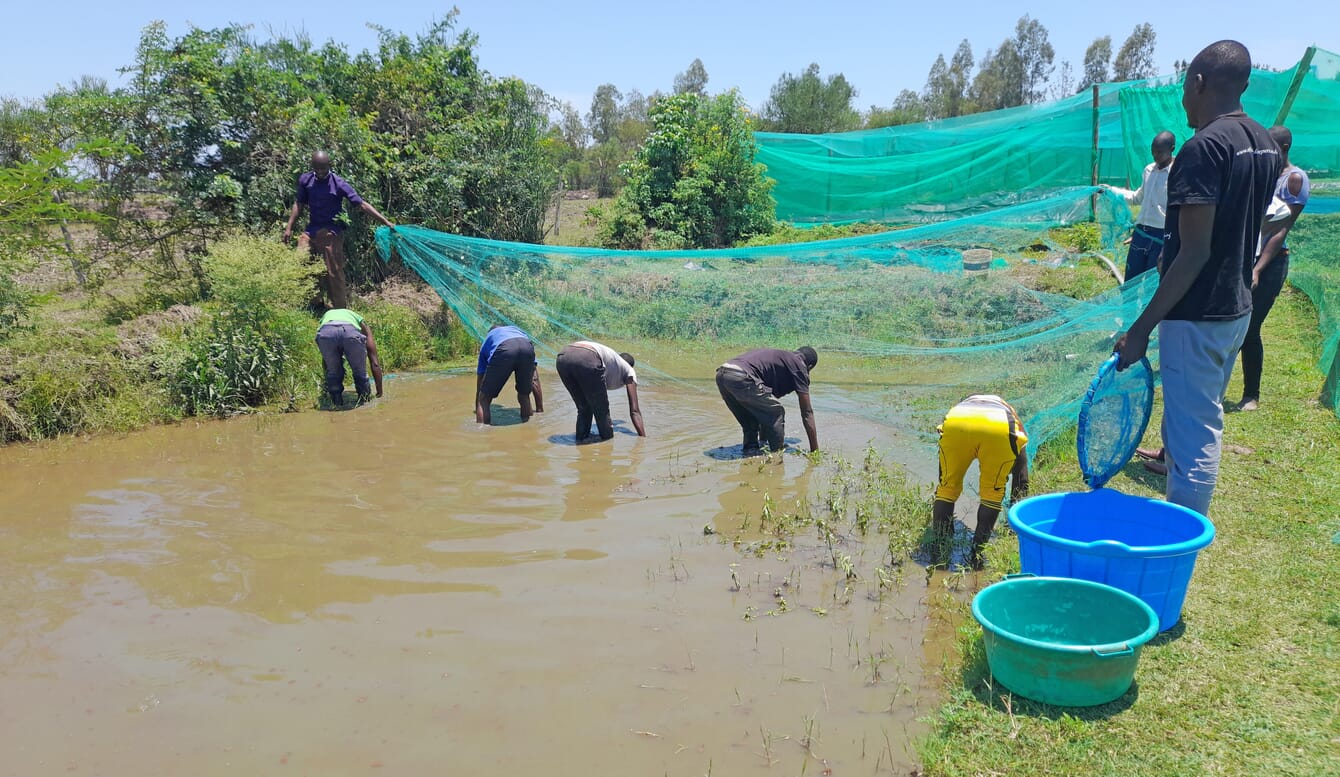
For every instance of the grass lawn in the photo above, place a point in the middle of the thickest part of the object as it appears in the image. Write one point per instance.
(1249, 683)
(572, 227)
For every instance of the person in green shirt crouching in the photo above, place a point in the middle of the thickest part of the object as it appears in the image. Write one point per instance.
(345, 336)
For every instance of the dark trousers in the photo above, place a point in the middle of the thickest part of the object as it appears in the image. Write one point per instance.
(339, 343)
(514, 357)
(583, 375)
(1146, 247)
(1263, 299)
(759, 413)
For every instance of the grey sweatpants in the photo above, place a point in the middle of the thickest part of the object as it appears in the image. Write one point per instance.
(754, 407)
(1196, 360)
(339, 342)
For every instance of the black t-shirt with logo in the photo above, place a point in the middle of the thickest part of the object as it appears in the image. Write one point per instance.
(1233, 164)
(781, 371)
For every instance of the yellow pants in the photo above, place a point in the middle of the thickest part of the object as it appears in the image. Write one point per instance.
(982, 430)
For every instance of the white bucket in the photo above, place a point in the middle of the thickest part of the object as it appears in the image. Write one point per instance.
(976, 261)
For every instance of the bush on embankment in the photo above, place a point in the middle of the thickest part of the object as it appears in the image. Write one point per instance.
(248, 346)
(248, 350)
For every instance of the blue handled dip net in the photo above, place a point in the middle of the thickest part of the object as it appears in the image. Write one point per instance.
(1113, 418)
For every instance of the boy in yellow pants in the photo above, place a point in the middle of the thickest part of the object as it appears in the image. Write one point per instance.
(984, 428)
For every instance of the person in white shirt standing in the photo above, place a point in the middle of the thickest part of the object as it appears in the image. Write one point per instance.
(589, 370)
(1152, 197)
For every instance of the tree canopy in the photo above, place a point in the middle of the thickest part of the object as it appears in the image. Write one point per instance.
(811, 104)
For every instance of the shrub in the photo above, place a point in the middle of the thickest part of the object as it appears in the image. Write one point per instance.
(453, 341)
(695, 177)
(403, 339)
(1085, 237)
(622, 227)
(66, 380)
(226, 364)
(254, 278)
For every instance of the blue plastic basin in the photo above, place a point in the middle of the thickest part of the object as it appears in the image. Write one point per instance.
(1146, 547)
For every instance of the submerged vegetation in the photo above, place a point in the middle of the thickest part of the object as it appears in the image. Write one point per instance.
(868, 519)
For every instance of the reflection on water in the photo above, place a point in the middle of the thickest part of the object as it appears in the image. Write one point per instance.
(397, 590)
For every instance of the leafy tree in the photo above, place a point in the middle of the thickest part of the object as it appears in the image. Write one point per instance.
(573, 130)
(1035, 59)
(935, 96)
(634, 108)
(999, 80)
(946, 92)
(221, 124)
(603, 119)
(810, 104)
(1096, 59)
(908, 108)
(694, 182)
(1017, 72)
(693, 80)
(1065, 81)
(1135, 60)
(960, 73)
(31, 208)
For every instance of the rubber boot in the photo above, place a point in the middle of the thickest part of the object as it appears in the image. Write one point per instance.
(986, 521)
(942, 533)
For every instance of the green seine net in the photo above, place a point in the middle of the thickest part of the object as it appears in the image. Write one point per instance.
(903, 329)
(898, 322)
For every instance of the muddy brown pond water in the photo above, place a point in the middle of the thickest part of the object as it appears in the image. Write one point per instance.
(396, 591)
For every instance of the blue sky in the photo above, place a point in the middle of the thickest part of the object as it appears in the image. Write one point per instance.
(570, 48)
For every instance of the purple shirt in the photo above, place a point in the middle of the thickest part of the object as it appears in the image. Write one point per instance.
(324, 198)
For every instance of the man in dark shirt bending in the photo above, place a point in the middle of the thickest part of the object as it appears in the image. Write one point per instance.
(324, 193)
(1218, 192)
(751, 384)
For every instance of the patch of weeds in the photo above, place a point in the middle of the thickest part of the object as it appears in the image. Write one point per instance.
(862, 503)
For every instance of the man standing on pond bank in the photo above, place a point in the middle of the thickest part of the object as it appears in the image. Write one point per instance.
(589, 371)
(751, 384)
(506, 351)
(324, 193)
(1217, 197)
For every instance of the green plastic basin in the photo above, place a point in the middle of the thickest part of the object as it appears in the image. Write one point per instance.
(1073, 643)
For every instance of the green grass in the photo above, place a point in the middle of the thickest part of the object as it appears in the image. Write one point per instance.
(574, 227)
(1249, 684)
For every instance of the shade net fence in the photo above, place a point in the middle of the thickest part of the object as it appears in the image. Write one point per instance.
(968, 164)
(903, 330)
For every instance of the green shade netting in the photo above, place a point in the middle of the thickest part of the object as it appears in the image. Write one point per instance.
(948, 168)
(968, 164)
(902, 330)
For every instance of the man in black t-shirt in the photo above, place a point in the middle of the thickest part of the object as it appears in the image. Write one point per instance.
(1217, 196)
(751, 384)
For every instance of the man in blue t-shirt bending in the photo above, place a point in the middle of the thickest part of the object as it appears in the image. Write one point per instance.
(1217, 196)
(506, 351)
